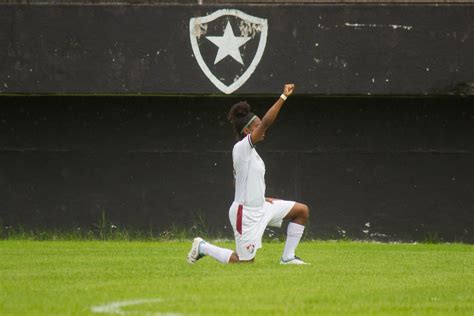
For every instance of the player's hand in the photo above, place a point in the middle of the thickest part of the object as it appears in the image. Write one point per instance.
(289, 88)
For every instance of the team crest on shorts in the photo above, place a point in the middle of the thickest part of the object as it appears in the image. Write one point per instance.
(250, 248)
(228, 44)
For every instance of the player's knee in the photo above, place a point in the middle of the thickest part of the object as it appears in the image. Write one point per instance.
(234, 258)
(304, 212)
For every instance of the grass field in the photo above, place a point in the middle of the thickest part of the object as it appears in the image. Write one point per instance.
(80, 277)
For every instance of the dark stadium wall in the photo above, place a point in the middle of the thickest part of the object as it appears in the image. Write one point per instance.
(325, 49)
(381, 168)
(378, 141)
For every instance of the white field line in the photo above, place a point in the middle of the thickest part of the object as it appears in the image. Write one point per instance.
(116, 308)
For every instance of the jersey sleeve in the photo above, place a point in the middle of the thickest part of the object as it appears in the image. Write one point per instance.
(243, 148)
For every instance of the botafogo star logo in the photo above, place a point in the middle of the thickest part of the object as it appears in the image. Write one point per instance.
(228, 45)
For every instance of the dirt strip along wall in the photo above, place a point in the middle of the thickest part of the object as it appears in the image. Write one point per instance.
(381, 168)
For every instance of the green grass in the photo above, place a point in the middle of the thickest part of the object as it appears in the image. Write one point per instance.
(69, 277)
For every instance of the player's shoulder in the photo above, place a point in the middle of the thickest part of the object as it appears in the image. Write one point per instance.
(243, 144)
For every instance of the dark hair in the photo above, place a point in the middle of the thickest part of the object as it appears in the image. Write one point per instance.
(239, 115)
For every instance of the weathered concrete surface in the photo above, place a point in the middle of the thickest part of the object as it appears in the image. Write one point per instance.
(324, 49)
(377, 168)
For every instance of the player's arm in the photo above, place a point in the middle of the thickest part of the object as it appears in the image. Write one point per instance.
(269, 117)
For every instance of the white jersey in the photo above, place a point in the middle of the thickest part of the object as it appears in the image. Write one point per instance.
(249, 174)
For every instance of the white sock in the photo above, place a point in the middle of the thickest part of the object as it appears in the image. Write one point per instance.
(293, 236)
(220, 254)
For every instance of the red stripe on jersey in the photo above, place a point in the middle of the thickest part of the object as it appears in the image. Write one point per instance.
(239, 218)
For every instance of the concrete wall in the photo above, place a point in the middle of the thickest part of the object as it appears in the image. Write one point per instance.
(324, 49)
(376, 168)
(394, 167)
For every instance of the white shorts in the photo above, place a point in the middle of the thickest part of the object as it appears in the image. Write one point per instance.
(249, 224)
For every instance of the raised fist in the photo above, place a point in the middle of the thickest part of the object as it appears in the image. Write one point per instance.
(289, 88)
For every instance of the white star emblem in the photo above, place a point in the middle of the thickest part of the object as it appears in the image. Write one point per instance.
(228, 44)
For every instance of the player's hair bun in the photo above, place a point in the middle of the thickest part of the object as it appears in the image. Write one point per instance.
(238, 111)
(239, 115)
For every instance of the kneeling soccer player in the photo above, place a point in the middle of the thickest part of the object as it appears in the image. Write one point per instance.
(251, 212)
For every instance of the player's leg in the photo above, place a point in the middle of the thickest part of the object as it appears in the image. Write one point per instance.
(298, 214)
(246, 245)
(298, 217)
(201, 248)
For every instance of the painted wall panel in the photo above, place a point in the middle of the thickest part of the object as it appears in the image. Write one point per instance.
(324, 49)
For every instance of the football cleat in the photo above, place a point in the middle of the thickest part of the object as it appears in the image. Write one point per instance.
(295, 260)
(194, 254)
